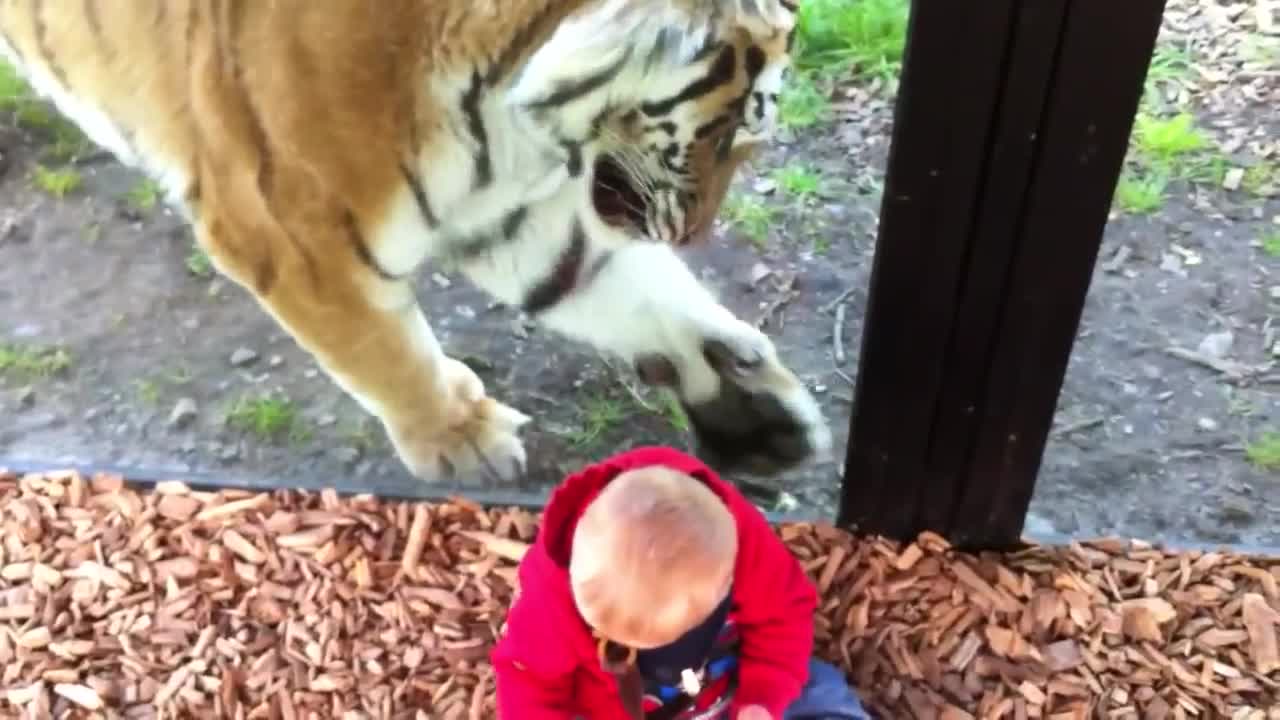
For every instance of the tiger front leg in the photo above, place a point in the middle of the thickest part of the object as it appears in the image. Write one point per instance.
(370, 336)
(748, 410)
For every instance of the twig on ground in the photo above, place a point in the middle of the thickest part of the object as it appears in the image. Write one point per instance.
(1233, 370)
(837, 336)
(1078, 426)
(839, 299)
(96, 157)
(787, 293)
(843, 375)
(1117, 261)
(620, 376)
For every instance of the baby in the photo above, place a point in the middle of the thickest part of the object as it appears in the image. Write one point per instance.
(655, 591)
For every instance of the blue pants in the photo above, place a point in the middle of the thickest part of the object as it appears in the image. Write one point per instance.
(826, 696)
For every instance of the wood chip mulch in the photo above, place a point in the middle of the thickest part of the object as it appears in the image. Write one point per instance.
(117, 602)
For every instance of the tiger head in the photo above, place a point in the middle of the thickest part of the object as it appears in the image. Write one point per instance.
(661, 102)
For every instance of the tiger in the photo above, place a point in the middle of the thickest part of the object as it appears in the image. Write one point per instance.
(559, 154)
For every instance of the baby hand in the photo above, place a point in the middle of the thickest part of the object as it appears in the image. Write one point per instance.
(754, 712)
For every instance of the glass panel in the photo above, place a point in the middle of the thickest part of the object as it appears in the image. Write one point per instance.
(1166, 425)
(121, 346)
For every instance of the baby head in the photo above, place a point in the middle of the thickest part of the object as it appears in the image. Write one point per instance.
(653, 556)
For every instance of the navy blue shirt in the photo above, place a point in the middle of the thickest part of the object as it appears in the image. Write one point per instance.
(708, 652)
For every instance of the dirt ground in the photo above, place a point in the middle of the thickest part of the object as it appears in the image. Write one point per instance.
(158, 364)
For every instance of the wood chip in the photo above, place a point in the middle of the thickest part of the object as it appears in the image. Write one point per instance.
(417, 539)
(79, 694)
(1260, 623)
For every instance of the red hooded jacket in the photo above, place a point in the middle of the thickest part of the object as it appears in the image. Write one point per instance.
(546, 664)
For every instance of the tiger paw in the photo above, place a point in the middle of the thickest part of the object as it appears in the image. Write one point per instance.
(748, 412)
(473, 442)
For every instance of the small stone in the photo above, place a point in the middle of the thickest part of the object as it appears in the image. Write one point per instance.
(1207, 424)
(1237, 512)
(759, 272)
(346, 455)
(243, 356)
(184, 411)
(8, 228)
(26, 397)
(1218, 344)
(1170, 263)
(441, 280)
(230, 453)
(310, 374)
(466, 311)
(765, 186)
(1231, 181)
(1275, 292)
(478, 365)
(326, 420)
(275, 361)
(92, 414)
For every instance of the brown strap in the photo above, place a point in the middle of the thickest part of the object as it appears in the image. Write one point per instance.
(631, 687)
(621, 663)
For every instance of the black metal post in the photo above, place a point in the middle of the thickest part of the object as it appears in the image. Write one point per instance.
(1011, 127)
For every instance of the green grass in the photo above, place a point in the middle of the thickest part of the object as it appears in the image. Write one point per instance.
(837, 38)
(1261, 180)
(180, 375)
(144, 195)
(32, 113)
(32, 361)
(671, 410)
(1265, 451)
(198, 263)
(1168, 140)
(148, 391)
(1141, 193)
(798, 181)
(1207, 169)
(1163, 149)
(866, 36)
(1271, 244)
(58, 183)
(66, 147)
(151, 390)
(362, 434)
(15, 95)
(751, 216)
(1169, 64)
(805, 100)
(268, 417)
(598, 415)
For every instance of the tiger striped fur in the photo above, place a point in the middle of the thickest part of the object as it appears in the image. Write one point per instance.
(556, 152)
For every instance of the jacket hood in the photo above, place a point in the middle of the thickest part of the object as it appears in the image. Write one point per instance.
(571, 498)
